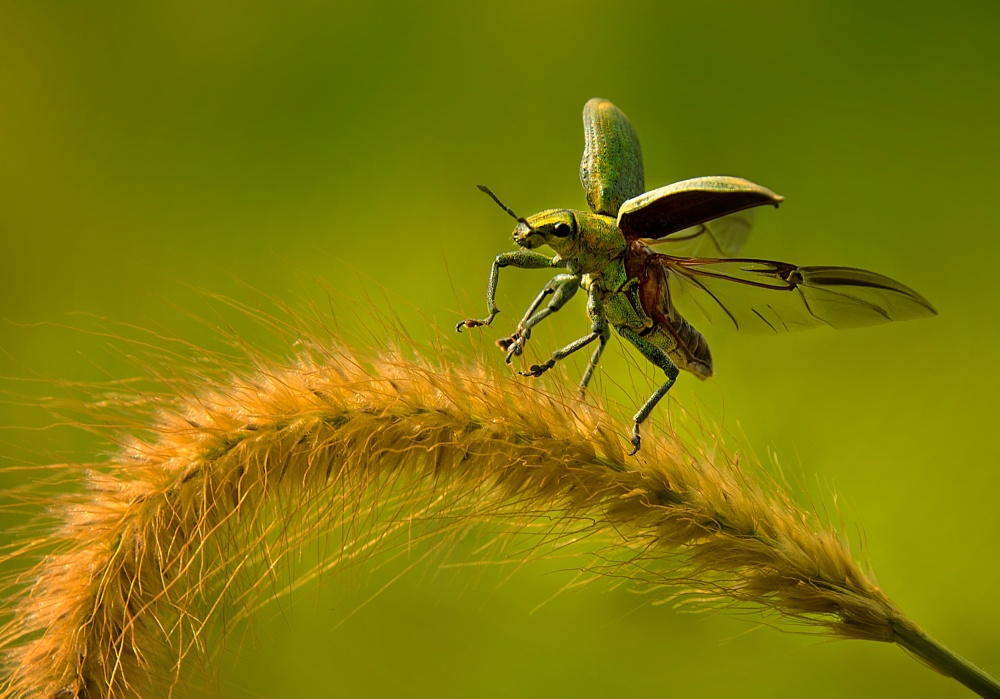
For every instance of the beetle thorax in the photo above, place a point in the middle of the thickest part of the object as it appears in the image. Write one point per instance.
(598, 243)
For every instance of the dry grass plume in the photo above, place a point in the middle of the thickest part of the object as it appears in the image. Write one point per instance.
(232, 475)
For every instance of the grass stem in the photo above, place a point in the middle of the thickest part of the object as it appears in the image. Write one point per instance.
(913, 639)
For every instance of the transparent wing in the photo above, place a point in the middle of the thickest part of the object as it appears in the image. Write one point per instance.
(763, 296)
(721, 237)
(611, 169)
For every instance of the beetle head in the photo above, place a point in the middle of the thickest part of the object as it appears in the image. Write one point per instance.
(556, 228)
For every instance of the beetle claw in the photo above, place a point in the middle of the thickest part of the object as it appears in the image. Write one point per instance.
(473, 323)
(537, 370)
(514, 345)
(636, 440)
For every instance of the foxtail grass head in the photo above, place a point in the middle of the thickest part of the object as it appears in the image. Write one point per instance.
(233, 476)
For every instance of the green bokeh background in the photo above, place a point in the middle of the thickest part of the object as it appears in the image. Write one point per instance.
(246, 147)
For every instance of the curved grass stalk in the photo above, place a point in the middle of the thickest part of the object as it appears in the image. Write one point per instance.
(197, 513)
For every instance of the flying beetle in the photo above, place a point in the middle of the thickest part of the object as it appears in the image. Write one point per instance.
(700, 225)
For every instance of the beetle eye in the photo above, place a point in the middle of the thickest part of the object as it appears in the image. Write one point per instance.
(561, 229)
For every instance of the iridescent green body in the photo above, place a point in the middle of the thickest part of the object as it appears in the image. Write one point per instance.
(632, 289)
(596, 253)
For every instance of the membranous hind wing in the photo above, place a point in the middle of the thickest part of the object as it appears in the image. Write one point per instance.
(662, 212)
(611, 169)
(720, 237)
(763, 296)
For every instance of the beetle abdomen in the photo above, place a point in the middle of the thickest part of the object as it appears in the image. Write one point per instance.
(697, 358)
(670, 331)
(684, 345)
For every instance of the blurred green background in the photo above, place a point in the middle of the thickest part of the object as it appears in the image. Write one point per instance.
(148, 149)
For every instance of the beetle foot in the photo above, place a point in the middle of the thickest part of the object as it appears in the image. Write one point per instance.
(636, 440)
(514, 345)
(537, 370)
(474, 323)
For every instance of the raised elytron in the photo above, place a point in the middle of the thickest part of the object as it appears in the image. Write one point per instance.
(700, 225)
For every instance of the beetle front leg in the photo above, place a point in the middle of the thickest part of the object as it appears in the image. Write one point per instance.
(563, 287)
(660, 358)
(599, 328)
(525, 259)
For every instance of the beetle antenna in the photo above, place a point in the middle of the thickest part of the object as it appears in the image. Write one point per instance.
(486, 190)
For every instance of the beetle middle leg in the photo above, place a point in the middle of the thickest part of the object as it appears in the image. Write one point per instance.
(660, 358)
(599, 329)
(594, 359)
(562, 287)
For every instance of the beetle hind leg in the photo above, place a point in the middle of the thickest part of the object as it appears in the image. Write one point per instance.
(660, 358)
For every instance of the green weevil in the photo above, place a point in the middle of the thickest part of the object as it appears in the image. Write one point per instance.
(632, 288)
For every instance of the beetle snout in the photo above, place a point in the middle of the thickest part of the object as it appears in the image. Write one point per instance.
(521, 233)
